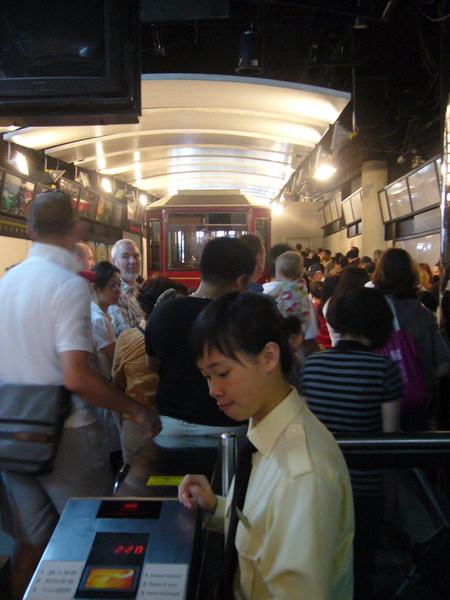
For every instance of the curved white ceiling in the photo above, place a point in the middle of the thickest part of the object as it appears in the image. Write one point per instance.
(201, 132)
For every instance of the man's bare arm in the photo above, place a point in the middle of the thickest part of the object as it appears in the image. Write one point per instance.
(91, 387)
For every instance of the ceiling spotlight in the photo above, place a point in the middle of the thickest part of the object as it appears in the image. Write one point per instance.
(19, 162)
(106, 185)
(250, 54)
(324, 167)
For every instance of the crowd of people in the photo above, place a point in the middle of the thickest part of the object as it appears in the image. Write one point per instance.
(282, 346)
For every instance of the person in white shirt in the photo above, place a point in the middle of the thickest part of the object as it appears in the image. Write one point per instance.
(45, 338)
(295, 531)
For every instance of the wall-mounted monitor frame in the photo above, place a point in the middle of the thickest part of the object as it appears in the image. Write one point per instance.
(70, 63)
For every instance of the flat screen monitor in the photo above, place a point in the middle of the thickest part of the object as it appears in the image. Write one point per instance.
(65, 63)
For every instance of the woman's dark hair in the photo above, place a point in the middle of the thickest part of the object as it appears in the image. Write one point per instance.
(316, 288)
(364, 312)
(329, 285)
(151, 289)
(343, 261)
(243, 323)
(396, 273)
(103, 270)
(350, 279)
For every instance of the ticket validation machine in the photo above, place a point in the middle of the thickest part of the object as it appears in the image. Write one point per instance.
(126, 549)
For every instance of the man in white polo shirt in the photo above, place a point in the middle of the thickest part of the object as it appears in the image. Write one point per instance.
(45, 338)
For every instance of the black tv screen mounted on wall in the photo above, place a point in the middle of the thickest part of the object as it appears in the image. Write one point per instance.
(69, 63)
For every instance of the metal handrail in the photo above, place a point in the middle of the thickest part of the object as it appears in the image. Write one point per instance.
(395, 449)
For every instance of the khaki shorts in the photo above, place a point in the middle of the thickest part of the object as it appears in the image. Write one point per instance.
(31, 505)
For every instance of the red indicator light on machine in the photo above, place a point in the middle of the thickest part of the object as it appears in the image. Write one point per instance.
(131, 505)
(129, 549)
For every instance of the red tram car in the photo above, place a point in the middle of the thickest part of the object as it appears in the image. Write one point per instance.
(179, 226)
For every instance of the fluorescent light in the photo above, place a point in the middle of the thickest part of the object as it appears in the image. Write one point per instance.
(101, 162)
(21, 162)
(106, 185)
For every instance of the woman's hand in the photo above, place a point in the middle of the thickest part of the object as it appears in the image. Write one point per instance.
(196, 488)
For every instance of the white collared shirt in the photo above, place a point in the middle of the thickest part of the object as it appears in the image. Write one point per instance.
(295, 539)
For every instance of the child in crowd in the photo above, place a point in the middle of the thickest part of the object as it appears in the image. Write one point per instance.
(291, 293)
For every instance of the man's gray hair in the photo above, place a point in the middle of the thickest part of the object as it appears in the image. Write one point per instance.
(116, 248)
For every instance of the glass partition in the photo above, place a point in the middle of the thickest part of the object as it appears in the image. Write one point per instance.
(356, 205)
(333, 210)
(384, 206)
(347, 211)
(398, 198)
(424, 187)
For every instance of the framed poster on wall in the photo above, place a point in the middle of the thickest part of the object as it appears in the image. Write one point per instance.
(72, 189)
(104, 210)
(118, 215)
(87, 204)
(17, 194)
(132, 205)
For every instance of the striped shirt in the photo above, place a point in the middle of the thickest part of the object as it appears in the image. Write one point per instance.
(345, 388)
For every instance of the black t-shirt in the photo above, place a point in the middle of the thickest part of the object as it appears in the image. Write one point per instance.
(182, 391)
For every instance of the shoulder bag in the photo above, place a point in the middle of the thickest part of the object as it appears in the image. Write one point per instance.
(31, 422)
(402, 349)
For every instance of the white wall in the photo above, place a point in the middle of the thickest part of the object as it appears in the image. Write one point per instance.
(298, 221)
(12, 250)
(339, 242)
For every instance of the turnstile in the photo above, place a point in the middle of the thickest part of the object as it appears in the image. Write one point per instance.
(120, 549)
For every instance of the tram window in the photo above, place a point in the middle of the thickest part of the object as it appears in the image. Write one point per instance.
(184, 248)
(262, 228)
(186, 219)
(223, 218)
(219, 218)
(154, 245)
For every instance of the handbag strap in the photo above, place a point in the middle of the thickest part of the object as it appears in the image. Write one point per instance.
(394, 313)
